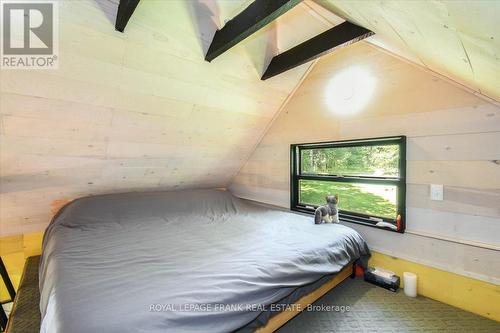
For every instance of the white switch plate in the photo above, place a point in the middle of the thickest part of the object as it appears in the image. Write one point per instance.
(437, 192)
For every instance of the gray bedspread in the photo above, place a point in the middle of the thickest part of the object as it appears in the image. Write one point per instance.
(186, 261)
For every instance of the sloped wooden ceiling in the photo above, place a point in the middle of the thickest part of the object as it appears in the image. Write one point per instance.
(458, 39)
(139, 110)
(143, 110)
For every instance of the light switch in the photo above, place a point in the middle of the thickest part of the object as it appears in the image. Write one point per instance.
(436, 192)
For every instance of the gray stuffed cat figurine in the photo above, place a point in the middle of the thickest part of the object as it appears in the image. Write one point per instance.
(329, 212)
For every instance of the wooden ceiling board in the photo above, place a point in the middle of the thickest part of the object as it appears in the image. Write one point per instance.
(458, 39)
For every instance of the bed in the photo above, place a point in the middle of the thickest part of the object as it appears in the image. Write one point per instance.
(185, 261)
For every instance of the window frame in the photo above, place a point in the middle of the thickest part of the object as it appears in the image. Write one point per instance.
(346, 216)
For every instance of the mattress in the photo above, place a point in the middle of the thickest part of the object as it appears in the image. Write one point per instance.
(184, 261)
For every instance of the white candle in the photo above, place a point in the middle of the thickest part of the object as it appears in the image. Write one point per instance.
(410, 284)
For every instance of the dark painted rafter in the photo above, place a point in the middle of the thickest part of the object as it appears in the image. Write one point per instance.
(125, 10)
(341, 35)
(254, 17)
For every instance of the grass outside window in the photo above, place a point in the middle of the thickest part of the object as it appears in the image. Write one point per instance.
(368, 175)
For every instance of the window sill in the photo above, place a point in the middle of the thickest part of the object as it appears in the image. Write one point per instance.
(350, 219)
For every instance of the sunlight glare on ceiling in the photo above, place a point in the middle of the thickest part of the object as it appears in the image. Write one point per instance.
(350, 90)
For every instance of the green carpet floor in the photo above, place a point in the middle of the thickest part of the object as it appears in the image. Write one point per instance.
(374, 309)
(25, 317)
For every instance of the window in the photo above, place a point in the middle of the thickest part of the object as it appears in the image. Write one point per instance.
(368, 175)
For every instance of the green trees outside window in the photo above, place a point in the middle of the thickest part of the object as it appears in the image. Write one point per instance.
(368, 175)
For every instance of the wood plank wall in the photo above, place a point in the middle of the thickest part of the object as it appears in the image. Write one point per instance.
(139, 110)
(453, 139)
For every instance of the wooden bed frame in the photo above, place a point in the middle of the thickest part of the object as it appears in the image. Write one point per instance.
(280, 319)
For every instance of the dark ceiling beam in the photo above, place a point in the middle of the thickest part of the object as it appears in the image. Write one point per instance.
(339, 36)
(125, 10)
(254, 17)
